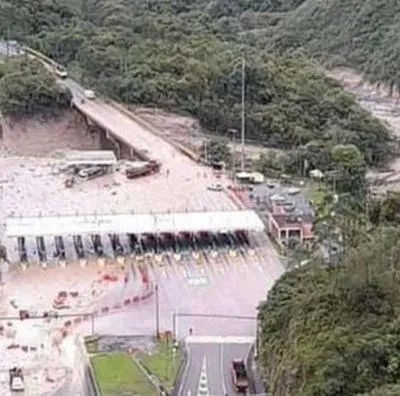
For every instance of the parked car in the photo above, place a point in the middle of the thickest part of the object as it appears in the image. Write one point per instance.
(92, 172)
(215, 187)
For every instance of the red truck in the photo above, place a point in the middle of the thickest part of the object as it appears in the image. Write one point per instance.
(149, 168)
(239, 376)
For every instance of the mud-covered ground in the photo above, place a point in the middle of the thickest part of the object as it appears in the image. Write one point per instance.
(382, 104)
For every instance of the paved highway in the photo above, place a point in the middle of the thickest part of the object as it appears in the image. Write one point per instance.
(208, 372)
(123, 127)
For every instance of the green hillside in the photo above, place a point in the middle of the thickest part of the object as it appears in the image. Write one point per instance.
(185, 56)
(359, 33)
(335, 331)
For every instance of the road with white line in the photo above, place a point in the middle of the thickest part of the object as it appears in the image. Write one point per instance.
(208, 370)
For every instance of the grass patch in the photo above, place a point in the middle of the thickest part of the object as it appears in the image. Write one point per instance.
(162, 363)
(117, 375)
(315, 191)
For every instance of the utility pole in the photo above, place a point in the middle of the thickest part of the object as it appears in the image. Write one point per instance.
(8, 41)
(243, 109)
(234, 132)
(157, 314)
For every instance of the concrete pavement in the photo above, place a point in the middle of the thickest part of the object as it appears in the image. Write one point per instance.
(208, 370)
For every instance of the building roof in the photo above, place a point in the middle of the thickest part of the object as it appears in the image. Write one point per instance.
(134, 223)
(90, 157)
(282, 199)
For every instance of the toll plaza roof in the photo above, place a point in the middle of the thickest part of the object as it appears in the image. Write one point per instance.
(221, 221)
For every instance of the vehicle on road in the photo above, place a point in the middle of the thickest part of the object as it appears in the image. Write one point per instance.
(250, 177)
(239, 376)
(215, 187)
(61, 72)
(148, 168)
(16, 380)
(92, 172)
(90, 94)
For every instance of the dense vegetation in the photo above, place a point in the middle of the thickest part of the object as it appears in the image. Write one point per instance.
(360, 33)
(27, 88)
(186, 56)
(335, 331)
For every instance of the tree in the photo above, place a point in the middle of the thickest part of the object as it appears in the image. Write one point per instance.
(216, 151)
(27, 88)
(334, 330)
(186, 57)
(349, 163)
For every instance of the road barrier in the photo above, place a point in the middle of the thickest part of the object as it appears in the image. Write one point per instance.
(146, 125)
(42, 57)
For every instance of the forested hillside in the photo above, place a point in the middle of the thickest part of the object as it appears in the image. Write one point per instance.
(185, 55)
(359, 33)
(27, 88)
(330, 331)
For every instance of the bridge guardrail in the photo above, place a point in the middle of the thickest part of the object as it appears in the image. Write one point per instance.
(189, 153)
(42, 57)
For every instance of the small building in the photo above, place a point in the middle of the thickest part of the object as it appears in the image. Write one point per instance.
(289, 213)
(10, 48)
(90, 157)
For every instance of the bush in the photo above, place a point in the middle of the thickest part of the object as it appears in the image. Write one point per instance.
(334, 331)
(27, 88)
(186, 56)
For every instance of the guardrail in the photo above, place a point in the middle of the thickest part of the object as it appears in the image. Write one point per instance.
(42, 57)
(184, 150)
(183, 361)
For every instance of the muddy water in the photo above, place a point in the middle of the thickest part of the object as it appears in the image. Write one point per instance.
(378, 101)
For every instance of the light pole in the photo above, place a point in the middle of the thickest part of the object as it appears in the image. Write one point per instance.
(243, 111)
(234, 132)
(157, 313)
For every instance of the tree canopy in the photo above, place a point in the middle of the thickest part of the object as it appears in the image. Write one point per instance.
(27, 88)
(186, 56)
(334, 331)
(357, 33)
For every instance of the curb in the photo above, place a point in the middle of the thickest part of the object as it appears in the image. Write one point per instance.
(182, 365)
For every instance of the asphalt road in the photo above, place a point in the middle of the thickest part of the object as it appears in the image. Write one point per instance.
(211, 358)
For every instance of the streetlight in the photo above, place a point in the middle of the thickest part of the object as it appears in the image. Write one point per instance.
(243, 110)
(233, 132)
(157, 313)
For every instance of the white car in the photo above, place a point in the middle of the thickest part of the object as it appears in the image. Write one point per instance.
(62, 73)
(90, 94)
(216, 187)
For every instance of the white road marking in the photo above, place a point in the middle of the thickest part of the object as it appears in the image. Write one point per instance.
(203, 382)
(223, 370)
(219, 340)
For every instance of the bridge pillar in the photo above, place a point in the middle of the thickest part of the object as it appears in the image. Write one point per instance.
(116, 144)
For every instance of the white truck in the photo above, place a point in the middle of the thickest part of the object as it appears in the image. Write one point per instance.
(250, 177)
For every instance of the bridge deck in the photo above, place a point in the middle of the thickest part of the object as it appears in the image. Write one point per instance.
(127, 130)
